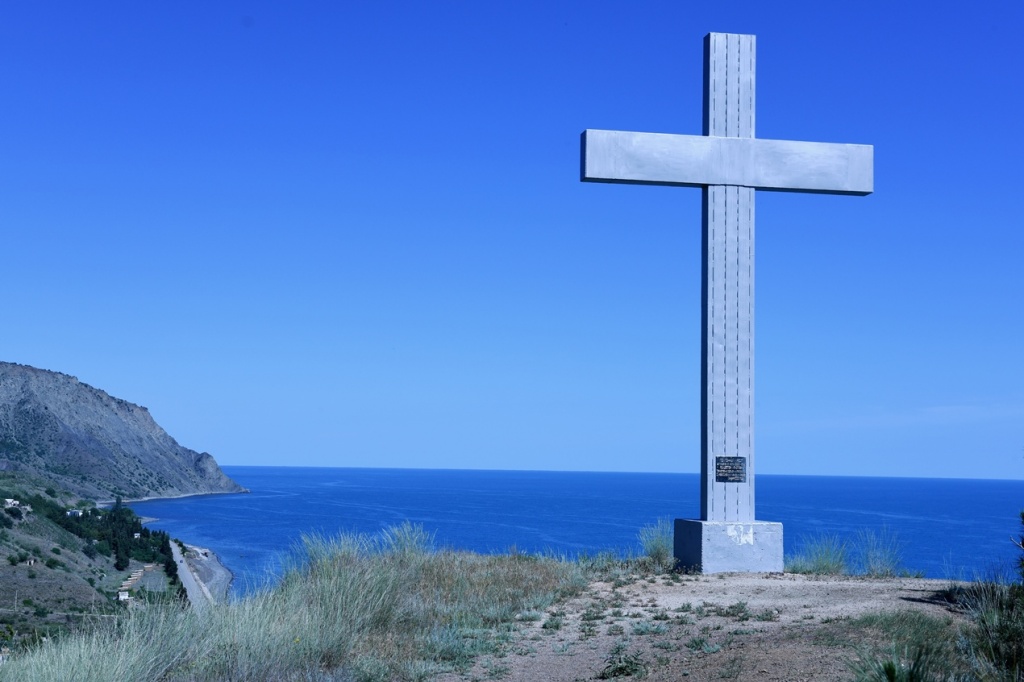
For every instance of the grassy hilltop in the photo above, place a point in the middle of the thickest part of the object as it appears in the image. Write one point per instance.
(390, 607)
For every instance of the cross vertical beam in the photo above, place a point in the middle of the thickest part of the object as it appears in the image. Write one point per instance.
(727, 297)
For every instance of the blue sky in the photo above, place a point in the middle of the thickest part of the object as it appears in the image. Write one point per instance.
(353, 234)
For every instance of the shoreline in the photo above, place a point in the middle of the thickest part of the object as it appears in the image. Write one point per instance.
(110, 503)
(212, 577)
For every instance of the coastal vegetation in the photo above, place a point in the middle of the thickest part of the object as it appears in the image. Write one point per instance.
(823, 555)
(116, 533)
(62, 568)
(63, 446)
(372, 608)
(990, 648)
(875, 554)
(657, 544)
(392, 607)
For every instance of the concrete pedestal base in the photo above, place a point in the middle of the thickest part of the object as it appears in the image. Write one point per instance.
(725, 546)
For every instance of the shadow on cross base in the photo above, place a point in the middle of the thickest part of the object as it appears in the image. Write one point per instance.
(728, 546)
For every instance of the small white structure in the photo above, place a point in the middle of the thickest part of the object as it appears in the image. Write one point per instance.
(8, 502)
(74, 512)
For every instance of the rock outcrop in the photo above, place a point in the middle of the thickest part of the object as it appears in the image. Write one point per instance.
(56, 429)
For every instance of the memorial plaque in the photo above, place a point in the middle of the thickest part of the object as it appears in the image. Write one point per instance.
(730, 469)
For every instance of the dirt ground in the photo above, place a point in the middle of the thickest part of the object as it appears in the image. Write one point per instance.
(739, 627)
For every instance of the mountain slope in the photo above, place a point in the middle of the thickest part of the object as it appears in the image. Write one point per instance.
(58, 430)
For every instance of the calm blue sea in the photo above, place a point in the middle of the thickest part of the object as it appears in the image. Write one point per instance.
(947, 527)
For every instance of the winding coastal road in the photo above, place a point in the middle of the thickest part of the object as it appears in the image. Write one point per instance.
(198, 595)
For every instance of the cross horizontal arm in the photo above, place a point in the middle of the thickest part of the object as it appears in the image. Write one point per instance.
(699, 161)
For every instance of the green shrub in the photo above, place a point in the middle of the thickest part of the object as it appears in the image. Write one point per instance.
(873, 554)
(451, 645)
(1020, 544)
(406, 541)
(878, 555)
(825, 555)
(647, 628)
(995, 643)
(657, 543)
(622, 664)
(552, 623)
(899, 645)
(918, 665)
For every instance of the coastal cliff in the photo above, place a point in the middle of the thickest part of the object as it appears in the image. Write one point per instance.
(58, 430)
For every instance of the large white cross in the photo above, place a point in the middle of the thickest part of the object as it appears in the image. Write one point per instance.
(728, 163)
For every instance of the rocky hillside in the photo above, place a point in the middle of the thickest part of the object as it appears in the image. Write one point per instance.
(57, 431)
